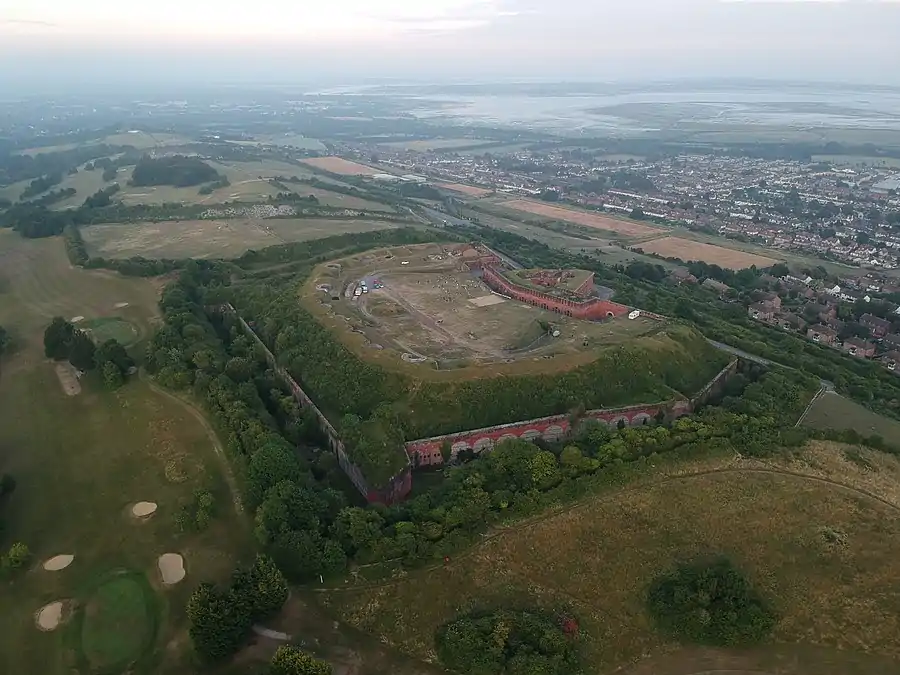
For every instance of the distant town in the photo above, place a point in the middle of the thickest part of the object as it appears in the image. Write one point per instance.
(846, 215)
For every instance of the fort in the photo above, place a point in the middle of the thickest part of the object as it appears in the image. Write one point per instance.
(465, 313)
(568, 292)
(574, 304)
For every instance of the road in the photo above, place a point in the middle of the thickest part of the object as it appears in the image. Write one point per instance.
(826, 384)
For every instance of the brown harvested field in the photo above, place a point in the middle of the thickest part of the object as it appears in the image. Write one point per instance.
(586, 218)
(470, 190)
(817, 535)
(341, 166)
(689, 251)
(213, 238)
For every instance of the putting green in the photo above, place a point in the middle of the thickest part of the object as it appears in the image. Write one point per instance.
(118, 623)
(111, 327)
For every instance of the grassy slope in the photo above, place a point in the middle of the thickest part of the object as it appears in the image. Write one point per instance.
(81, 461)
(833, 411)
(599, 557)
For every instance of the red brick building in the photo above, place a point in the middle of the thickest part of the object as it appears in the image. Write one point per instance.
(591, 309)
(427, 451)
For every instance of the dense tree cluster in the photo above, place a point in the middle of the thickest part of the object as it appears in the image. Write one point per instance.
(221, 618)
(63, 341)
(208, 189)
(102, 197)
(177, 170)
(710, 603)
(53, 197)
(508, 642)
(41, 184)
(4, 340)
(7, 487)
(15, 167)
(292, 661)
(294, 512)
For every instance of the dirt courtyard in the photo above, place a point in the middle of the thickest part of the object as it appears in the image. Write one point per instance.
(687, 250)
(421, 307)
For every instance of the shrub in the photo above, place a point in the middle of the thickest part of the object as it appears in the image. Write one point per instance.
(508, 642)
(710, 603)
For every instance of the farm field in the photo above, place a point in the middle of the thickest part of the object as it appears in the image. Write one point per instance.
(596, 221)
(773, 519)
(341, 166)
(81, 462)
(689, 251)
(141, 140)
(470, 190)
(213, 238)
(297, 141)
(833, 411)
(430, 314)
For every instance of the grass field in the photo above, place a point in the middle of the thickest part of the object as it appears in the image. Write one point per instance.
(80, 462)
(833, 411)
(112, 328)
(339, 200)
(213, 238)
(341, 166)
(598, 558)
(690, 251)
(624, 228)
(118, 622)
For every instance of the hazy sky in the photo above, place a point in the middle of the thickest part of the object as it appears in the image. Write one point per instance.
(301, 40)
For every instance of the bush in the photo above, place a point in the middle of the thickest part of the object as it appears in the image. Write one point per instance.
(509, 642)
(17, 557)
(710, 603)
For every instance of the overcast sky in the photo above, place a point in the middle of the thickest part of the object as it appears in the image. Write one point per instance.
(349, 40)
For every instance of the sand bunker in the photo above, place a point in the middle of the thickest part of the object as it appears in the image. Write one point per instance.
(49, 616)
(58, 562)
(68, 379)
(121, 305)
(143, 509)
(171, 567)
(76, 319)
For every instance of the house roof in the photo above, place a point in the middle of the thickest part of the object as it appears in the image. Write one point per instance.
(874, 320)
(859, 343)
(822, 330)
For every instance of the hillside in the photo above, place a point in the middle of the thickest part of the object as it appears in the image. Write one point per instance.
(381, 409)
(826, 570)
